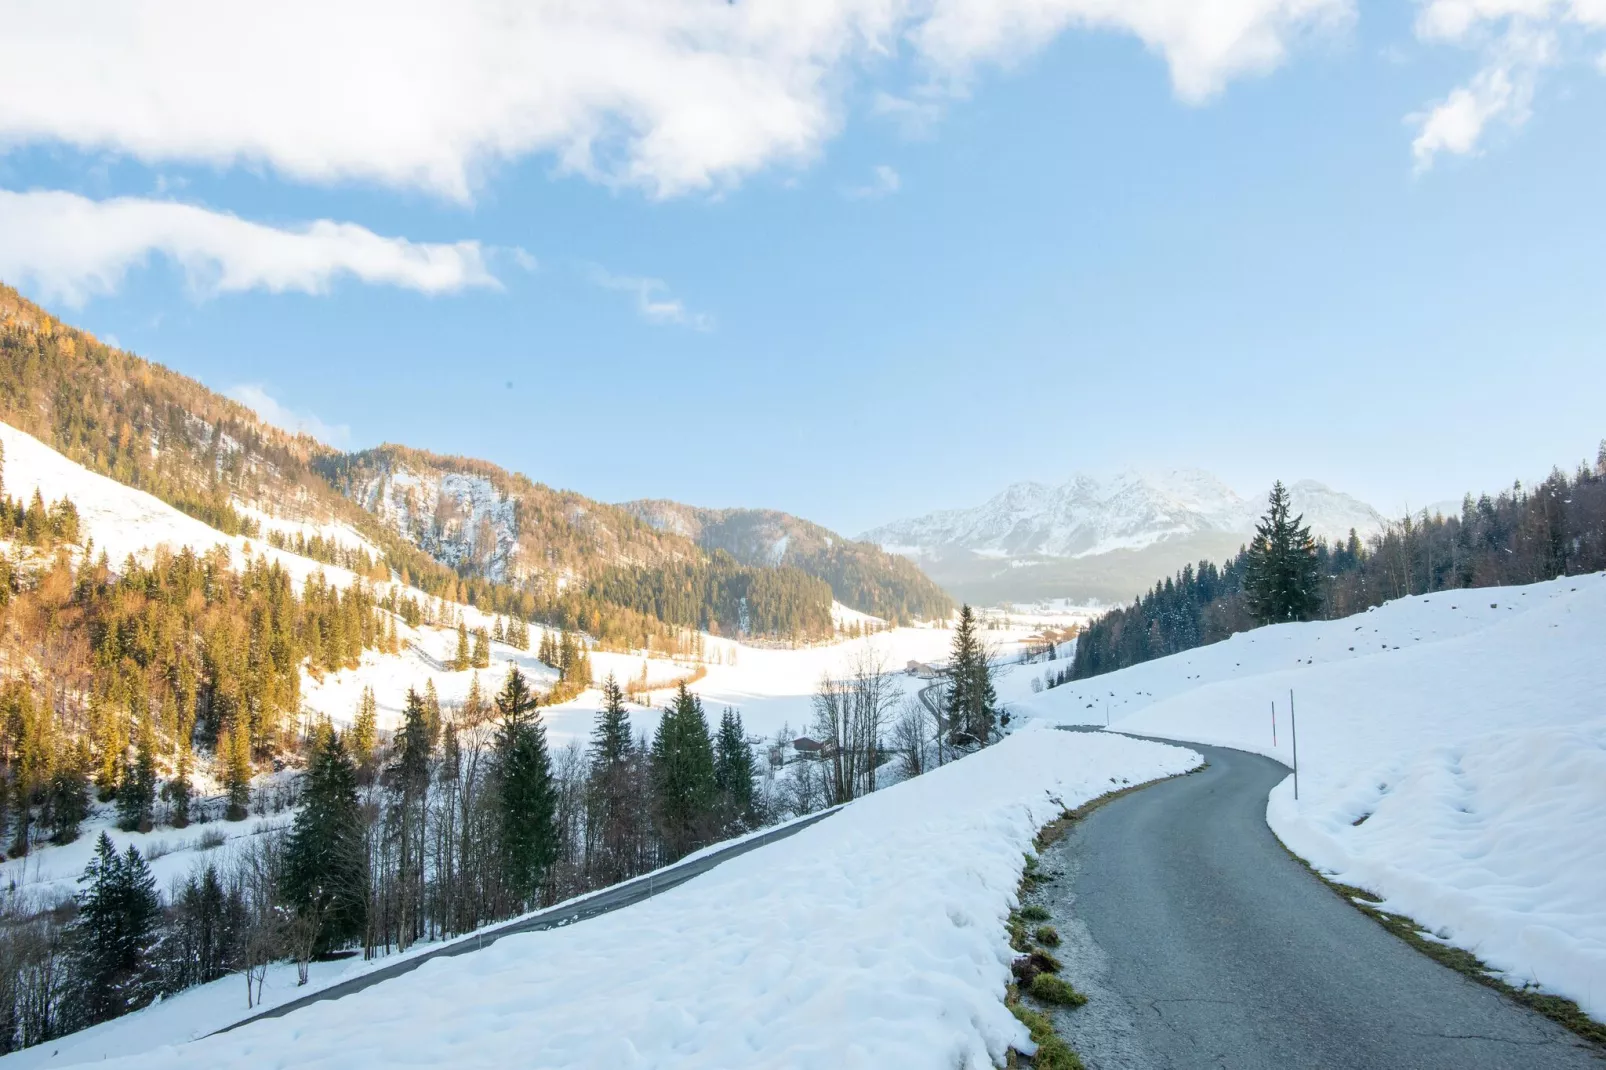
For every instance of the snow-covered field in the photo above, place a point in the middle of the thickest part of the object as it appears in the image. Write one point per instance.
(1452, 757)
(873, 939)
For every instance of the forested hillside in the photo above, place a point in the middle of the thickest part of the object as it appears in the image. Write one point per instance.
(460, 529)
(862, 576)
(1521, 535)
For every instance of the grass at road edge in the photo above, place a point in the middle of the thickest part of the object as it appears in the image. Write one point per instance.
(1562, 1011)
(1053, 1053)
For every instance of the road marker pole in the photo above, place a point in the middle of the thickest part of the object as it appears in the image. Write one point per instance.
(1293, 722)
(1273, 724)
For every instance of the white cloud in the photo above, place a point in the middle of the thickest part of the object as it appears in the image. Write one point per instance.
(1456, 124)
(255, 397)
(1518, 41)
(72, 248)
(669, 96)
(884, 181)
(652, 301)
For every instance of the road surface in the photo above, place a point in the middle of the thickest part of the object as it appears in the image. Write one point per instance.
(609, 899)
(1202, 943)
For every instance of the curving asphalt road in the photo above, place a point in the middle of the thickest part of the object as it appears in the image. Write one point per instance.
(608, 899)
(1201, 943)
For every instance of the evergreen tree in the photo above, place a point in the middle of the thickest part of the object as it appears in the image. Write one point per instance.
(526, 797)
(1281, 576)
(610, 788)
(610, 737)
(67, 802)
(237, 770)
(204, 931)
(481, 658)
(733, 772)
(364, 735)
(179, 789)
(971, 707)
(326, 857)
(136, 796)
(463, 658)
(684, 792)
(113, 937)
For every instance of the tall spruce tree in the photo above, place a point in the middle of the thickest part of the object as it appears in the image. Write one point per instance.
(733, 773)
(364, 736)
(463, 659)
(971, 707)
(610, 788)
(1281, 567)
(114, 936)
(684, 793)
(326, 857)
(526, 796)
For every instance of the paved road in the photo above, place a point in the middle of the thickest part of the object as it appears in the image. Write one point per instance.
(610, 899)
(1203, 944)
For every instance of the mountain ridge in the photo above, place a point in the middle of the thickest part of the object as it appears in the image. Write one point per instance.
(1025, 542)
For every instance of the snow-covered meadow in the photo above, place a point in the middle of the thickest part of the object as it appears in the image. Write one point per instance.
(1452, 757)
(873, 939)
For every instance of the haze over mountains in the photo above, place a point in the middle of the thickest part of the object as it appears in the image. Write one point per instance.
(1100, 540)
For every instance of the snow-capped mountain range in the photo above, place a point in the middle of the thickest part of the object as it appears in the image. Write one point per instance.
(1088, 516)
(1154, 516)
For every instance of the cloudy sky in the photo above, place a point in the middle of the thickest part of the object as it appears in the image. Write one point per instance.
(851, 258)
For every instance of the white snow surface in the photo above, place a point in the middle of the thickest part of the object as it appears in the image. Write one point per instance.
(125, 521)
(873, 939)
(1465, 731)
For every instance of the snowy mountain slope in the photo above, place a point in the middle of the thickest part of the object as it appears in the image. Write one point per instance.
(875, 938)
(124, 521)
(1086, 516)
(485, 521)
(1162, 518)
(1452, 754)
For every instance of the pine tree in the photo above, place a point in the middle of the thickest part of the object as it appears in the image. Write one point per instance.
(526, 797)
(364, 736)
(1281, 573)
(610, 788)
(971, 707)
(237, 770)
(733, 772)
(114, 935)
(136, 795)
(67, 803)
(463, 658)
(481, 658)
(610, 737)
(684, 792)
(498, 631)
(179, 788)
(326, 858)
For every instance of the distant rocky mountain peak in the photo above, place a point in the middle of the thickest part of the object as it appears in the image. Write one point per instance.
(1029, 536)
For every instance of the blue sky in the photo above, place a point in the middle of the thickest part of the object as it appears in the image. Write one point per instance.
(1269, 238)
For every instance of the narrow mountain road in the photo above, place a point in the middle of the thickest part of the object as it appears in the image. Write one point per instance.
(603, 902)
(1202, 943)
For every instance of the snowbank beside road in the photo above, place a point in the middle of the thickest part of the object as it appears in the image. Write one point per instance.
(875, 938)
(1452, 753)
